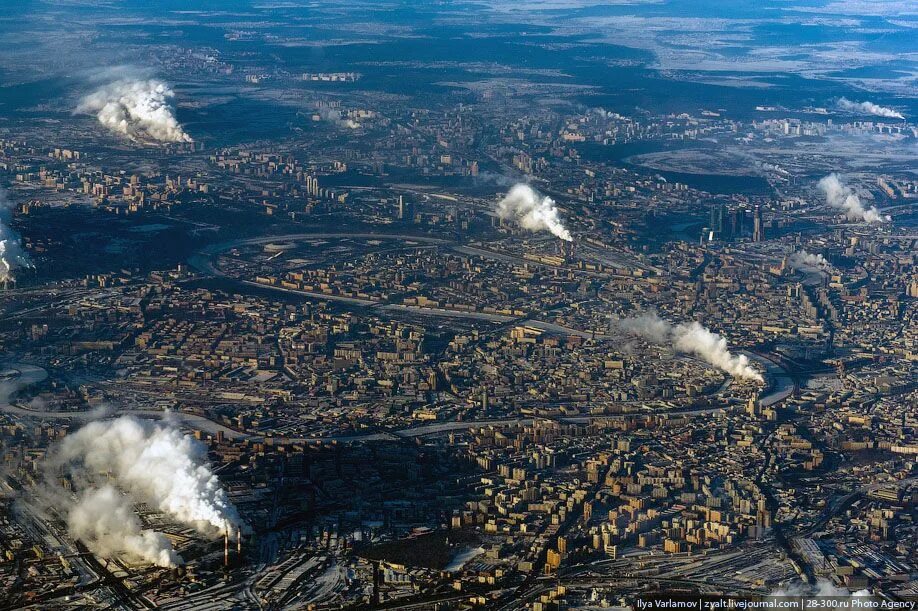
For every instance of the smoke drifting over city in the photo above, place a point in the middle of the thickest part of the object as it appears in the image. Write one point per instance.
(11, 254)
(841, 196)
(532, 211)
(333, 115)
(808, 262)
(692, 338)
(868, 108)
(104, 520)
(152, 463)
(530, 306)
(137, 109)
(822, 587)
(155, 462)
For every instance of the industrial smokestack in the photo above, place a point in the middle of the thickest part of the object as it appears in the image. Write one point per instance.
(225, 547)
(532, 211)
(113, 465)
(155, 463)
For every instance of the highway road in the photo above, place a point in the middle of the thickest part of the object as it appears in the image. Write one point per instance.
(21, 375)
(191, 421)
(198, 422)
(16, 376)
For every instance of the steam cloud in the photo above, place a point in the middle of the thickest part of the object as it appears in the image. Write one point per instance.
(822, 587)
(532, 211)
(104, 521)
(153, 463)
(333, 115)
(136, 109)
(839, 195)
(868, 108)
(692, 338)
(11, 254)
(156, 463)
(808, 262)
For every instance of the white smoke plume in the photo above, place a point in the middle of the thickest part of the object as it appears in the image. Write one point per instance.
(11, 254)
(868, 108)
(137, 109)
(822, 587)
(104, 521)
(696, 339)
(532, 211)
(154, 463)
(649, 326)
(333, 115)
(808, 262)
(692, 338)
(841, 196)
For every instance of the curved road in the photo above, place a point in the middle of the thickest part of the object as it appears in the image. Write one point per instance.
(16, 376)
(192, 421)
(203, 262)
(22, 375)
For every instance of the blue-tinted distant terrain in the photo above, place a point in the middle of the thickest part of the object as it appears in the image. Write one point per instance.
(657, 57)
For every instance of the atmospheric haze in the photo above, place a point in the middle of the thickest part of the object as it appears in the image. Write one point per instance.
(11, 254)
(868, 108)
(841, 196)
(136, 109)
(692, 338)
(532, 211)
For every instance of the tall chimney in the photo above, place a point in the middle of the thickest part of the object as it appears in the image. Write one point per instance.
(239, 541)
(225, 545)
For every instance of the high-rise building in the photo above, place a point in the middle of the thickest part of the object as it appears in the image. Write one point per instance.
(758, 231)
(717, 218)
(739, 220)
(405, 209)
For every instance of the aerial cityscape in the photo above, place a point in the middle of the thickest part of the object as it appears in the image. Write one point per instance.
(459, 304)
